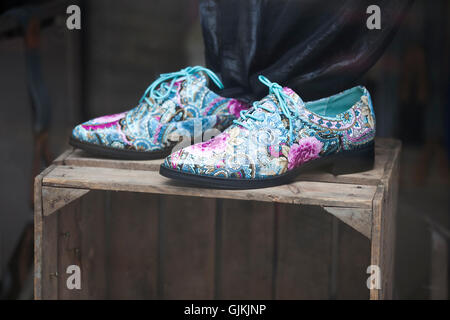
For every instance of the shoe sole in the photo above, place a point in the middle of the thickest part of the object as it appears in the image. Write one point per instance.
(341, 163)
(116, 153)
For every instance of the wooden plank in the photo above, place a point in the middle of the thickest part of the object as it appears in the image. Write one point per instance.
(56, 198)
(133, 246)
(301, 192)
(383, 227)
(383, 148)
(81, 242)
(40, 241)
(60, 160)
(391, 183)
(82, 159)
(246, 250)
(50, 273)
(94, 265)
(377, 216)
(187, 227)
(388, 230)
(353, 259)
(38, 233)
(69, 248)
(303, 265)
(358, 219)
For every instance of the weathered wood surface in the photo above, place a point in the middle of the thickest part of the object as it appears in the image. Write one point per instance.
(164, 240)
(300, 192)
(68, 240)
(358, 219)
(73, 235)
(383, 147)
(60, 160)
(245, 239)
(49, 262)
(140, 246)
(383, 226)
(56, 198)
(187, 243)
(82, 159)
(43, 243)
(353, 258)
(303, 255)
(90, 233)
(93, 250)
(132, 246)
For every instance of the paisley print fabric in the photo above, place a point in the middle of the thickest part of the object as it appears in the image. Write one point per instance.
(189, 108)
(268, 141)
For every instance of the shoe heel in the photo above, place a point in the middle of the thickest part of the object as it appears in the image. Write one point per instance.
(355, 161)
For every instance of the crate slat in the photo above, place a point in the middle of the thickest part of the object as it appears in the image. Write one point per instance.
(187, 248)
(303, 259)
(300, 192)
(245, 249)
(132, 248)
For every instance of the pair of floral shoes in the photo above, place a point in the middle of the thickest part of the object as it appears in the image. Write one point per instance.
(263, 145)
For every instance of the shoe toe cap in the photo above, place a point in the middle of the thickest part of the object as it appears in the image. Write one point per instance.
(173, 162)
(81, 133)
(101, 131)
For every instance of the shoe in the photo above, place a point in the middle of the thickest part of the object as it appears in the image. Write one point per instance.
(279, 138)
(176, 105)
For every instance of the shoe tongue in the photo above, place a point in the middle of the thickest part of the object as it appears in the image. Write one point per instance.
(298, 102)
(201, 78)
(295, 103)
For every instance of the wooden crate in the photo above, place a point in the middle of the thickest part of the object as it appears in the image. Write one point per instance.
(138, 235)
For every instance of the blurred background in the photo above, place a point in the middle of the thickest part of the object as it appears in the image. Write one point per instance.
(52, 78)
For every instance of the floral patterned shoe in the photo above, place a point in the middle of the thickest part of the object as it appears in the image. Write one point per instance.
(279, 138)
(176, 105)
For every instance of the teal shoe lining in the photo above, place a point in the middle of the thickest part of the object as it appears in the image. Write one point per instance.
(337, 104)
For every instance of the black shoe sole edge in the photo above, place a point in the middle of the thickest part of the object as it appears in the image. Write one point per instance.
(341, 163)
(119, 154)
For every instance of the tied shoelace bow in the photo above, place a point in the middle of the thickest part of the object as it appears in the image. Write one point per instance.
(161, 88)
(282, 98)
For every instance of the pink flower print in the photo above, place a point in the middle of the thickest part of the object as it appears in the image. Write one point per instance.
(306, 150)
(235, 107)
(288, 91)
(109, 118)
(274, 151)
(175, 158)
(217, 143)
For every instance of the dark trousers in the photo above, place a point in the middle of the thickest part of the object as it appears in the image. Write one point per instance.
(316, 47)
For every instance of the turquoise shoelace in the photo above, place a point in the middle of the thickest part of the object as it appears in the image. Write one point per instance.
(162, 87)
(282, 98)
